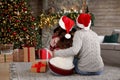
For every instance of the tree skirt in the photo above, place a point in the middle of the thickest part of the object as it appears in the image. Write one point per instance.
(21, 71)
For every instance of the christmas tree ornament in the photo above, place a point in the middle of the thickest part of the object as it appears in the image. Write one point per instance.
(4, 22)
(26, 12)
(9, 30)
(33, 27)
(24, 28)
(17, 21)
(24, 9)
(14, 33)
(18, 13)
(0, 3)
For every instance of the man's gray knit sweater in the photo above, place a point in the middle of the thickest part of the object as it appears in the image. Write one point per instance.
(88, 44)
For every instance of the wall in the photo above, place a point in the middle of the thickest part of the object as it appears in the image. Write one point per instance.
(107, 15)
(36, 6)
(39, 5)
(65, 4)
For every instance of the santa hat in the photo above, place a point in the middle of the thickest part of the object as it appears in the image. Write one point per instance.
(66, 24)
(84, 21)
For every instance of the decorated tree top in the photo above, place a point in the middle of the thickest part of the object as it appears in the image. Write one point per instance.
(17, 25)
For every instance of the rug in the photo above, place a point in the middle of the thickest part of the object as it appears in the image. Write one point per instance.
(21, 71)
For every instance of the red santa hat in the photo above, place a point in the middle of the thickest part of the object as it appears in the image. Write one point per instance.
(84, 21)
(66, 24)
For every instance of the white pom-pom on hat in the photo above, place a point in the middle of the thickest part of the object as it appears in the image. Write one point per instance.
(68, 36)
(84, 21)
(66, 24)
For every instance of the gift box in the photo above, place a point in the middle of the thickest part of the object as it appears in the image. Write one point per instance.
(39, 67)
(6, 48)
(18, 55)
(6, 57)
(29, 54)
(44, 54)
(1, 58)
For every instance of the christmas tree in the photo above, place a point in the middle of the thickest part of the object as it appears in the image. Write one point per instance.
(17, 24)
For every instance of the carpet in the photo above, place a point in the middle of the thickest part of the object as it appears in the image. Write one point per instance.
(21, 71)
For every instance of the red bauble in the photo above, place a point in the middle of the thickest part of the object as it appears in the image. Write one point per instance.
(17, 21)
(24, 9)
(16, 6)
(14, 33)
(24, 28)
(9, 30)
(32, 19)
(10, 17)
(33, 27)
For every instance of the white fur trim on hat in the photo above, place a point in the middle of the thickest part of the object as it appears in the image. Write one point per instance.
(88, 27)
(82, 26)
(79, 25)
(61, 23)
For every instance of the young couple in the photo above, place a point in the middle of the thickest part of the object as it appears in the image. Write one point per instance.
(85, 41)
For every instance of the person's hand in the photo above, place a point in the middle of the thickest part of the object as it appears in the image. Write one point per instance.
(52, 53)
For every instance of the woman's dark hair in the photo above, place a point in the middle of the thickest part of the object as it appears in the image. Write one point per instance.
(87, 9)
(61, 32)
(64, 42)
(56, 29)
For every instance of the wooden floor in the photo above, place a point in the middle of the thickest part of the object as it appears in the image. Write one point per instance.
(4, 71)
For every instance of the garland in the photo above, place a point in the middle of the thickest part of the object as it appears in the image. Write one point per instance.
(47, 21)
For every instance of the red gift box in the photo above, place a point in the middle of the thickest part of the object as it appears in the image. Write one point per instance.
(44, 53)
(39, 66)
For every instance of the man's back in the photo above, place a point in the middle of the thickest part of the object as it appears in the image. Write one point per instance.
(90, 58)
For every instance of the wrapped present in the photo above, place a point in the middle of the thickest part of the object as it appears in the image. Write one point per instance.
(44, 53)
(39, 67)
(18, 55)
(6, 57)
(1, 58)
(29, 54)
(6, 48)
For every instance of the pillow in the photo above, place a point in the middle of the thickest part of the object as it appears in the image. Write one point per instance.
(101, 38)
(111, 38)
(117, 31)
